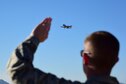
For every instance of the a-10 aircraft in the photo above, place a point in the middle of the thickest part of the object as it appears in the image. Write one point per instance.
(66, 26)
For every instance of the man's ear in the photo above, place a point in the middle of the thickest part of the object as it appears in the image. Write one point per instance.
(117, 59)
(86, 59)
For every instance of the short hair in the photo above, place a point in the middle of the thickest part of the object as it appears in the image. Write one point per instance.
(105, 48)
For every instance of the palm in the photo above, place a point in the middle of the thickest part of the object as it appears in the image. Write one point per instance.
(41, 31)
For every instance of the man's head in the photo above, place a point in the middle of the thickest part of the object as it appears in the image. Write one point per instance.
(100, 52)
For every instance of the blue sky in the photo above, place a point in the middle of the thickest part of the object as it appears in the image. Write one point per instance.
(60, 53)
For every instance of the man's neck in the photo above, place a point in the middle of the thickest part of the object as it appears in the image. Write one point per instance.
(92, 73)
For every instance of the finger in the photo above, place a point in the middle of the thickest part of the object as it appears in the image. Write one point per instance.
(48, 24)
(46, 20)
(45, 24)
(49, 19)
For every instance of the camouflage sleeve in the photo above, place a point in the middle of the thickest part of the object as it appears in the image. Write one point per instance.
(22, 71)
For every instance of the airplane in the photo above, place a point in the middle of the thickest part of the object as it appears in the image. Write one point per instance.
(66, 26)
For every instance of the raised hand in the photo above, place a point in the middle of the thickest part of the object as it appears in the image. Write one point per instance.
(42, 30)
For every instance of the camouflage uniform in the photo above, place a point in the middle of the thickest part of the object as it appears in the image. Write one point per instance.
(22, 71)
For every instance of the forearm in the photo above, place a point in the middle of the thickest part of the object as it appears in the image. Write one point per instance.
(20, 62)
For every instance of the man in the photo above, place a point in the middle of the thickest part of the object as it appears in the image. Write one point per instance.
(99, 56)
